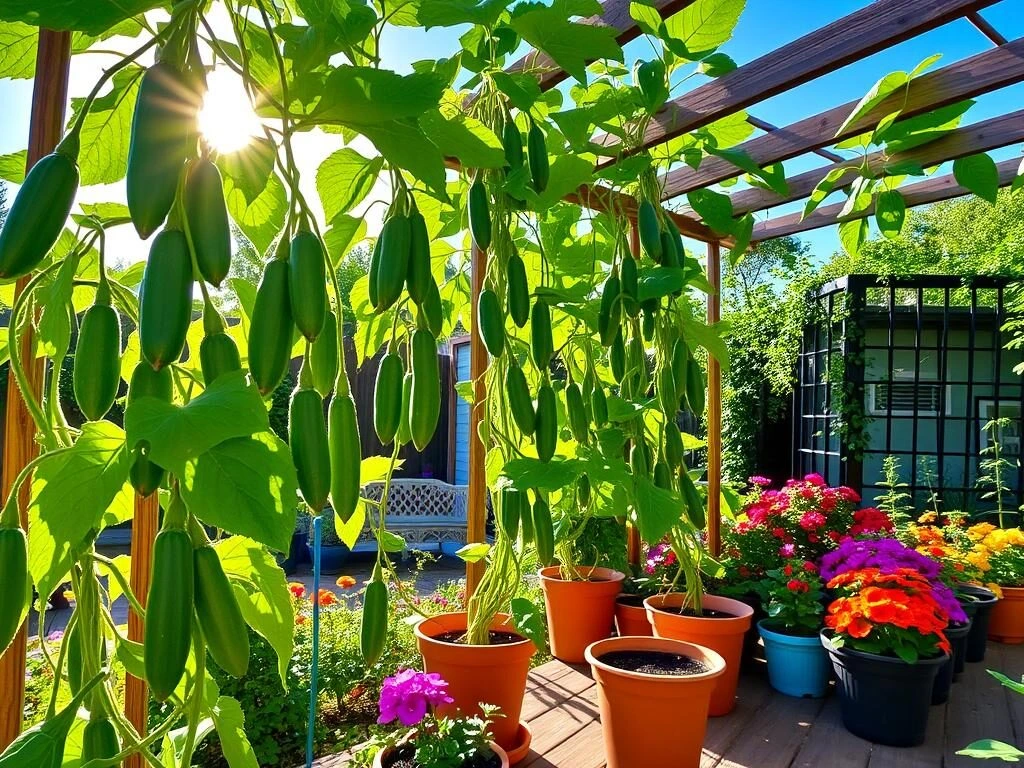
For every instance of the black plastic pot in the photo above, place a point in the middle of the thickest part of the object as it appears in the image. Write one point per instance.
(883, 699)
(979, 607)
(957, 635)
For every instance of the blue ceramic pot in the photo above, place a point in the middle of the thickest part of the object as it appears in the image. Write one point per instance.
(797, 666)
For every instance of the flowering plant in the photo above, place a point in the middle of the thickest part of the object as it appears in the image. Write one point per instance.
(945, 540)
(891, 614)
(890, 556)
(998, 552)
(411, 698)
(795, 598)
(658, 571)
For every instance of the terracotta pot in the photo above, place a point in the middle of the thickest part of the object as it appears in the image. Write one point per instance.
(649, 719)
(579, 612)
(378, 760)
(722, 635)
(1007, 622)
(631, 619)
(488, 674)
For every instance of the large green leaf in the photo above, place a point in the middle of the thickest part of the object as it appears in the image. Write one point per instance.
(466, 138)
(248, 170)
(714, 208)
(344, 180)
(106, 132)
(404, 145)
(262, 218)
(333, 26)
(657, 509)
(94, 16)
(72, 490)
(570, 44)
(890, 211)
(262, 593)
(345, 230)
(701, 27)
(12, 166)
(229, 720)
(17, 50)
(247, 486)
(979, 174)
(451, 13)
(230, 407)
(988, 748)
(357, 96)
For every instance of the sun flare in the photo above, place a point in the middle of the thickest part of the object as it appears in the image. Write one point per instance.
(227, 120)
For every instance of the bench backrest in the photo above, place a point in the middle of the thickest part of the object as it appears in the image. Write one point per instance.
(421, 499)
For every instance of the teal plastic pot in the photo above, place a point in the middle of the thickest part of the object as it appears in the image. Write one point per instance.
(797, 666)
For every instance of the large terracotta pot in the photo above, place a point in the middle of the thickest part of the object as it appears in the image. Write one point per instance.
(653, 720)
(1007, 622)
(722, 635)
(378, 760)
(631, 617)
(488, 674)
(579, 611)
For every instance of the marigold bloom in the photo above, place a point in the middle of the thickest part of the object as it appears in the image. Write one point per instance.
(324, 598)
(346, 582)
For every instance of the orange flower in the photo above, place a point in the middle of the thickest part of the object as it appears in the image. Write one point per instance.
(297, 589)
(324, 597)
(346, 582)
(300, 619)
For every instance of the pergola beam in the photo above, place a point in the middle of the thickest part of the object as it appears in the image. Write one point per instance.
(977, 75)
(987, 135)
(983, 26)
(932, 190)
(876, 27)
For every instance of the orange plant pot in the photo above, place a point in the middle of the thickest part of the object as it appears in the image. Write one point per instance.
(479, 674)
(1007, 622)
(653, 720)
(380, 757)
(722, 635)
(631, 620)
(579, 612)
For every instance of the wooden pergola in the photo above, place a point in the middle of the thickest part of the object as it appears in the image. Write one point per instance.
(875, 27)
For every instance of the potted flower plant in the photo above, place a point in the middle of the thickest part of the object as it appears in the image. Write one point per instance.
(1003, 551)
(654, 694)
(651, 577)
(797, 662)
(885, 634)
(413, 698)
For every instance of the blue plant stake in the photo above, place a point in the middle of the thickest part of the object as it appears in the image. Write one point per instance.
(316, 641)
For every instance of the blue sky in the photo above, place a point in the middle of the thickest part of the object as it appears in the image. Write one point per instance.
(765, 25)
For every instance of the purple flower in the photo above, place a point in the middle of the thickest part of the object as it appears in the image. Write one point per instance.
(759, 480)
(55, 637)
(408, 694)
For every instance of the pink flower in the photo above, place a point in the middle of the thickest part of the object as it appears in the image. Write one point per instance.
(815, 479)
(848, 494)
(811, 521)
(759, 480)
(787, 550)
(407, 694)
(807, 493)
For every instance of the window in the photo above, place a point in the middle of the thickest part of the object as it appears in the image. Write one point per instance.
(907, 398)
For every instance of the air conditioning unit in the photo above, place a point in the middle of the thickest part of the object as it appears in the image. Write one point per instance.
(906, 398)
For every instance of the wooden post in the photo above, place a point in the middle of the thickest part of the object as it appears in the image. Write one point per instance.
(49, 99)
(633, 543)
(144, 530)
(477, 502)
(714, 407)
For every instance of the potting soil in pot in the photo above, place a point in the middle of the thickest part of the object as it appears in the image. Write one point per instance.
(705, 614)
(655, 663)
(494, 638)
(402, 757)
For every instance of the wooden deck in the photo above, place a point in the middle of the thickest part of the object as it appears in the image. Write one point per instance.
(769, 730)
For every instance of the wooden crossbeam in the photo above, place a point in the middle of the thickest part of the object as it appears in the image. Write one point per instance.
(987, 135)
(599, 198)
(985, 72)
(921, 193)
(880, 25)
(764, 125)
(986, 28)
(614, 14)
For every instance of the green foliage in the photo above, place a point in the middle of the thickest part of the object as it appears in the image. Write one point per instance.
(895, 501)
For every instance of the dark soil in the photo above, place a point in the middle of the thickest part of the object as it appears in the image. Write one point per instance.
(634, 601)
(403, 758)
(705, 614)
(496, 638)
(655, 663)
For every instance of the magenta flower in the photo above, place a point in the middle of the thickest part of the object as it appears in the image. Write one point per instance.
(406, 696)
(759, 480)
(815, 479)
(787, 550)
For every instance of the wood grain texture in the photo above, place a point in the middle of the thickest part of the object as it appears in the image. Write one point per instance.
(985, 136)
(49, 99)
(965, 79)
(145, 525)
(714, 407)
(920, 193)
(862, 33)
(477, 494)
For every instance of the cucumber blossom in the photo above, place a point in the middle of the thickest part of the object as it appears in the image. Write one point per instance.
(207, 216)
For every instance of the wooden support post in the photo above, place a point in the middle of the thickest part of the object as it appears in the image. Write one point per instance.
(633, 543)
(144, 530)
(49, 99)
(477, 504)
(714, 407)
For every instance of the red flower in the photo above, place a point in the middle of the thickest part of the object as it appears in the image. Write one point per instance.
(788, 570)
(795, 585)
(779, 533)
(810, 567)
(297, 590)
(324, 597)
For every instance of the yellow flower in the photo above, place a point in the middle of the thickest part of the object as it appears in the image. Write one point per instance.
(997, 541)
(1015, 537)
(980, 531)
(927, 518)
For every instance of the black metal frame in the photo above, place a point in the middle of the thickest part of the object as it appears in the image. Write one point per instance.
(842, 312)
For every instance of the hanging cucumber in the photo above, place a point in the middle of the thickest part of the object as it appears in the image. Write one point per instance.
(518, 291)
(207, 216)
(165, 303)
(491, 322)
(519, 399)
(307, 287)
(404, 434)
(695, 387)
(609, 315)
(542, 346)
(373, 631)
(512, 143)
(670, 257)
(432, 311)
(680, 361)
(510, 511)
(393, 260)
(307, 437)
(647, 325)
(162, 126)
(220, 618)
(638, 461)
(537, 153)
(583, 491)
(419, 276)
(372, 289)
(576, 413)
(97, 369)
(666, 386)
(599, 405)
(145, 476)
(270, 333)
(99, 739)
(479, 211)
(673, 444)
(617, 358)
(650, 230)
(546, 423)
(17, 588)
(323, 356)
(387, 397)
(663, 475)
(426, 388)
(345, 452)
(694, 503)
(650, 77)
(218, 353)
(543, 531)
(36, 218)
(630, 289)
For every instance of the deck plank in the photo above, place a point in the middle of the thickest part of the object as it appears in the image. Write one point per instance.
(978, 709)
(829, 743)
(753, 694)
(560, 724)
(775, 734)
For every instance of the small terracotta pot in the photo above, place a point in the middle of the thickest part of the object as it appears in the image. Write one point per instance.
(579, 612)
(378, 760)
(631, 620)
(649, 719)
(1007, 622)
(722, 635)
(488, 674)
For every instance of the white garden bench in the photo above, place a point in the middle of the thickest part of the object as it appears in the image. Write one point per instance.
(424, 512)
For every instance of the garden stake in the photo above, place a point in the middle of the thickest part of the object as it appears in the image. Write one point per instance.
(317, 525)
